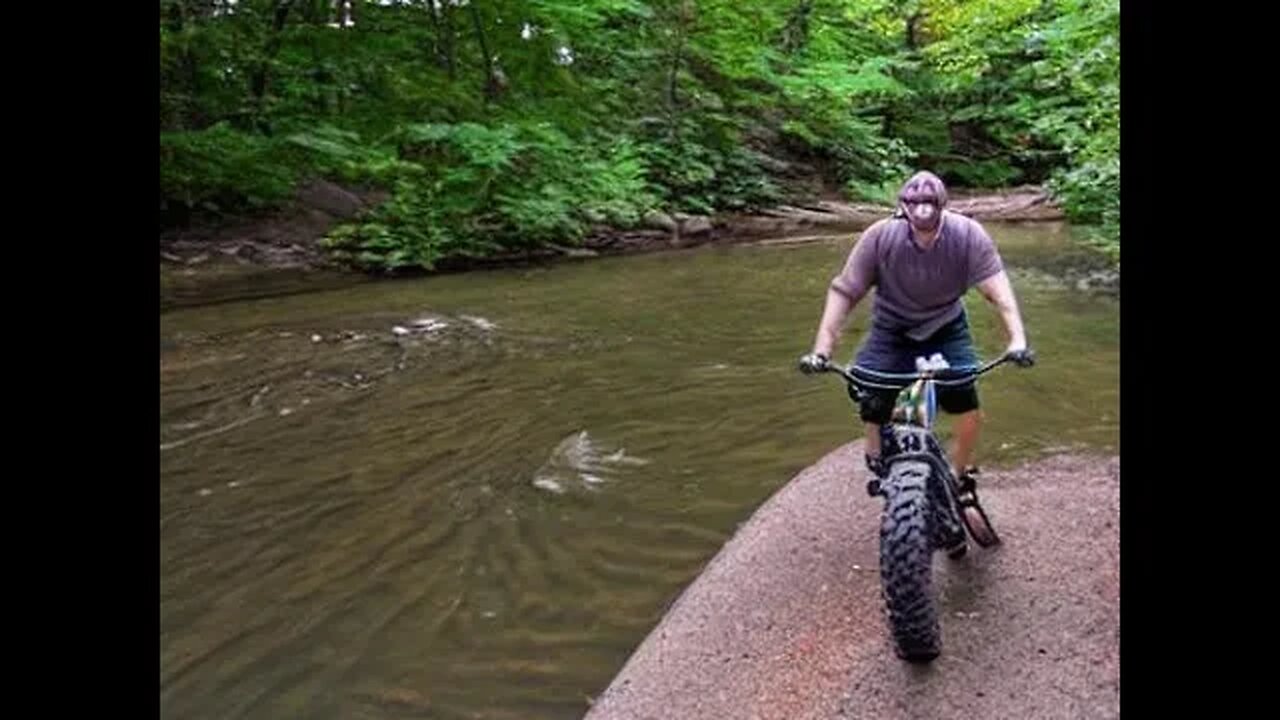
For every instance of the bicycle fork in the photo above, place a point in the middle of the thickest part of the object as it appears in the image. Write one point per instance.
(908, 443)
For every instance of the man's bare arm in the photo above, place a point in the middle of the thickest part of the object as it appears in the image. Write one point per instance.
(997, 290)
(834, 315)
(845, 291)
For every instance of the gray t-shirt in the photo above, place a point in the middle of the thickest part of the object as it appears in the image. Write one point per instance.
(917, 290)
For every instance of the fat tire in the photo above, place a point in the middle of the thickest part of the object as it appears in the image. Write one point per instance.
(948, 523)
(906, 563)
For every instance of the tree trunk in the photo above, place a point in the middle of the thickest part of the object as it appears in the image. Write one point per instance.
(436, 51)
(259, 81)
(314, 15)
(494, 82)
(683, 17)
(913, 30)
(795, 35)
(445, 37)
(182, 16)
(450, 40)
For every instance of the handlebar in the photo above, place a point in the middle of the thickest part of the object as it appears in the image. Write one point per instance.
(865, 377)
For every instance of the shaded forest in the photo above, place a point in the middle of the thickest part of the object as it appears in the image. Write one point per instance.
(493, 125)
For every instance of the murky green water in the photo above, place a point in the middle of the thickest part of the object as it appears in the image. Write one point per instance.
(483, 515)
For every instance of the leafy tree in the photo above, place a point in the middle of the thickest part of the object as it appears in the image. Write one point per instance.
(506, 124)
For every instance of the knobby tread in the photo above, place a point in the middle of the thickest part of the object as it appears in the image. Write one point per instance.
(947, 524)
(906, 555)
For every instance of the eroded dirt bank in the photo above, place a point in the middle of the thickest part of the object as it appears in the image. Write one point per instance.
(280, 252)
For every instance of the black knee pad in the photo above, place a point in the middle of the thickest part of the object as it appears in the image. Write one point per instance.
(958, 400)
(877, 406)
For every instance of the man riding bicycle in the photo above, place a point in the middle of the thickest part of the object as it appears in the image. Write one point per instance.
(922, 260)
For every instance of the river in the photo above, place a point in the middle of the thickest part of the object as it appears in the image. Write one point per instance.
(471, 496)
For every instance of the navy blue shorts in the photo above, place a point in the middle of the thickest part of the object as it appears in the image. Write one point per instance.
(895, 353)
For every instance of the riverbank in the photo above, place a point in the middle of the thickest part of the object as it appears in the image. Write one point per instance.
(280, 252)
(786, 621)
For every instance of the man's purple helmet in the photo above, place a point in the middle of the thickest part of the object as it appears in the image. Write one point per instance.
(922, 199)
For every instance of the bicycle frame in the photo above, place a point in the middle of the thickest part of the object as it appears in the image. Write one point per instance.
(915, 440)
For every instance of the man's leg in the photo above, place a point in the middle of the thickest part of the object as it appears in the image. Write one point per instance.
(963, 405)
(876, 411)
(883, 352)
(968, 427)
(872, 441)
(956, 344)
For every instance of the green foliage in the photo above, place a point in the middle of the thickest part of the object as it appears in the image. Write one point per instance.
(221, 169)
(696, 178)
(884, 193)
(1091, 194)
(510, 124)
(967, 37)
(345, 156)
(1081, 61)
(986, 173)
(468, 190)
